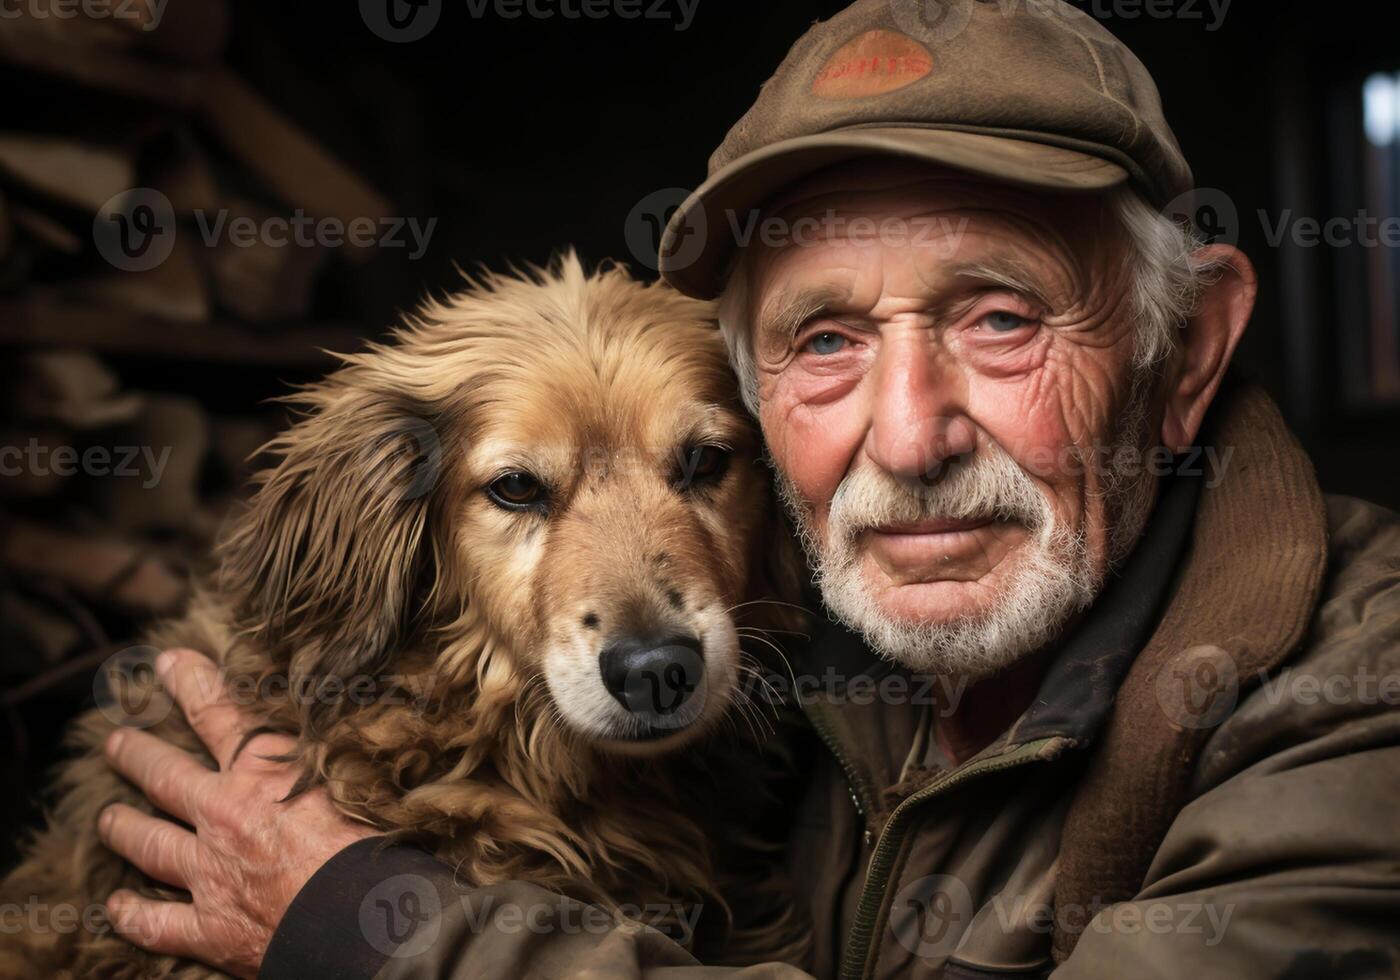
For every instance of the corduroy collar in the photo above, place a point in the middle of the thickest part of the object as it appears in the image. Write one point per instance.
(1248, 589)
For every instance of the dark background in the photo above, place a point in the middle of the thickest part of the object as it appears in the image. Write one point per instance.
(521, 136)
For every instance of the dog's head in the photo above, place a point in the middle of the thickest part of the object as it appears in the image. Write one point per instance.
(547, 479)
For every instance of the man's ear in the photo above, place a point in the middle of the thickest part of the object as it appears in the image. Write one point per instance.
(1208, 343)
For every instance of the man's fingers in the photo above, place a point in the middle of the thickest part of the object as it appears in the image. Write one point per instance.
(169, 928)
(170, 779)
(158, 847)
(198, 688)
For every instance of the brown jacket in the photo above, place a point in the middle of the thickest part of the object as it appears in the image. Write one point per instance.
(1206, 785)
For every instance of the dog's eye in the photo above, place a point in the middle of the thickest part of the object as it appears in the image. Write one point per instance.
(701, 466)
(516, 491)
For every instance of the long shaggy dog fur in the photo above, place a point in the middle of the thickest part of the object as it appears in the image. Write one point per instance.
(371, 550)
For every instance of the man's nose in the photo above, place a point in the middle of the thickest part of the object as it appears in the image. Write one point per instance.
(919, 422)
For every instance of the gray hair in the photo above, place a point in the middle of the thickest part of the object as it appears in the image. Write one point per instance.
(1168, 278)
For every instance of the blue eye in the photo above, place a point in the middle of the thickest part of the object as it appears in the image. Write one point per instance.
(1003, 322)
(826, 343)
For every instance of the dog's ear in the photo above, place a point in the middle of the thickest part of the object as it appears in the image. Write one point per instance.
(324, 566)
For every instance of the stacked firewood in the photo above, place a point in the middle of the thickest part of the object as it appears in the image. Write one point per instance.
(121, 115)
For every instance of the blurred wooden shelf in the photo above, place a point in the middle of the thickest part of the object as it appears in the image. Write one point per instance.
(95, 67)
(113, 331)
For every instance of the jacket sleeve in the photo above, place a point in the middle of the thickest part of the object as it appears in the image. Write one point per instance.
(395, 913)
(1285, 866)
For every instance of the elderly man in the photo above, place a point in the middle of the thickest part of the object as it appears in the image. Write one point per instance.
(994, 382)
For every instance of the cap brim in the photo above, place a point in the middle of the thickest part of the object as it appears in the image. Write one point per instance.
(699, 238)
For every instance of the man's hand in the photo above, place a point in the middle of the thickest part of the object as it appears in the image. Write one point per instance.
(248, 855)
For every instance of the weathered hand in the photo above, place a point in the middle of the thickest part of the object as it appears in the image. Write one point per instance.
(248, 856)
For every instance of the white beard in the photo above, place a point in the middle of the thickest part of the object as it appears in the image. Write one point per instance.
(1054, 576)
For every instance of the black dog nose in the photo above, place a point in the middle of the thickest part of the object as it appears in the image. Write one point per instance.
(653, 678)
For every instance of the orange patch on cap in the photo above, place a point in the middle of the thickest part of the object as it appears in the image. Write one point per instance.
(872, 64)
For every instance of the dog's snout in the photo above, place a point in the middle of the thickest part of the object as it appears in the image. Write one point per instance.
(652, 678)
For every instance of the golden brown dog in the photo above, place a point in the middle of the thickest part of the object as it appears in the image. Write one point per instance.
(534, 519)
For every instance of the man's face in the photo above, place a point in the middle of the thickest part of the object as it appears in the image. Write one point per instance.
(944, 363)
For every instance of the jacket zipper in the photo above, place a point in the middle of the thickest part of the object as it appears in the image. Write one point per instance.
(856, 784)
(877, 878)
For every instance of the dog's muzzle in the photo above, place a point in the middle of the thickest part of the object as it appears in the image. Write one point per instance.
(659, 681)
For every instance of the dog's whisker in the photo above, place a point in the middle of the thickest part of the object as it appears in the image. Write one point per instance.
(775, 647)
(773, 700)
(732, 720)
(771, 631)
(774, 631)
(765, 602)
(745, 698)
(750, 709)
(781, 654)
(773, 696)
(751, 713)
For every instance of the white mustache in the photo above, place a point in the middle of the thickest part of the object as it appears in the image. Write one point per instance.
(989, 487)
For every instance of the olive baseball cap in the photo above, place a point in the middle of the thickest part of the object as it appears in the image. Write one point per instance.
(1032, 92)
